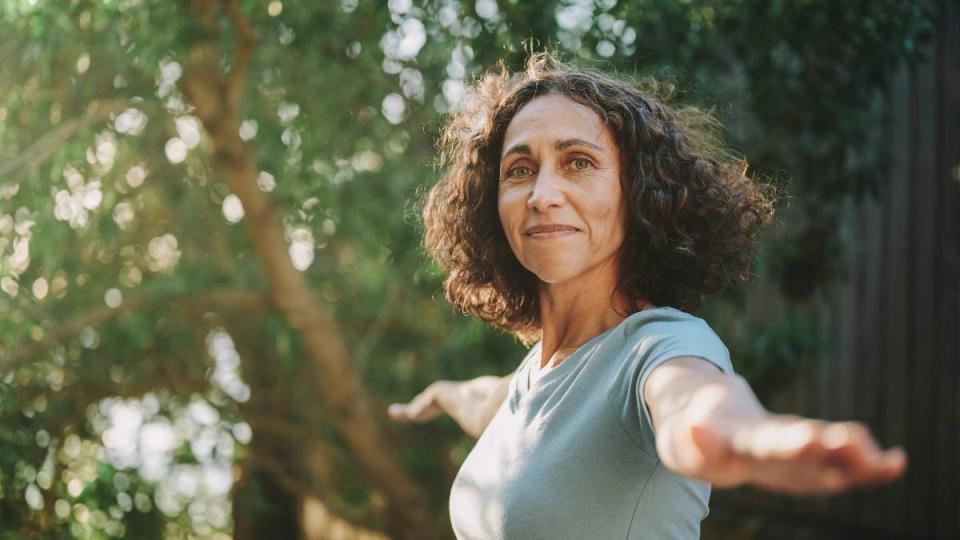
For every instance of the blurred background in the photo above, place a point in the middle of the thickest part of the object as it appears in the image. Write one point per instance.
(211, 284)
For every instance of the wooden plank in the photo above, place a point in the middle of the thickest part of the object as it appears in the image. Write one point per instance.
(845, 329)
(890, 331)
(947, 494)
(950, 245)
(845, 368)
(859, 316)
(948, 417)
(868, 350)
(922, 334)
(916, 513)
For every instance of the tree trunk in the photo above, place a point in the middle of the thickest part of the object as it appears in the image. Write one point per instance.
(263, 508)
(216, 100)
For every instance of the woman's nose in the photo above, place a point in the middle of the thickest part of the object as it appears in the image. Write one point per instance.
(546, 192)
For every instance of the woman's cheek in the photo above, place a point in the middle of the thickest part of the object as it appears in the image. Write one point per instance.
(506, 210)
(509, 205)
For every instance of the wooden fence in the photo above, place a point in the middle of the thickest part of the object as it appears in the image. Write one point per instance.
(895, 325)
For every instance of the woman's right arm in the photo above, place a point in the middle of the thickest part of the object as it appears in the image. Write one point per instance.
(472, 404)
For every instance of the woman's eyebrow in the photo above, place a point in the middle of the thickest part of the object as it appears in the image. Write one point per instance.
(516, 149)
(566, 143)
(559, 145)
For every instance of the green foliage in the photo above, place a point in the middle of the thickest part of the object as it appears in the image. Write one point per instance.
(342, 104)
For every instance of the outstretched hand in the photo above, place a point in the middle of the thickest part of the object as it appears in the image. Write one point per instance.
(423, 407)
(471, 404)
(796, 455)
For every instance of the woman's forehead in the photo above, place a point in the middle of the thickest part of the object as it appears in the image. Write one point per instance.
(551, 118)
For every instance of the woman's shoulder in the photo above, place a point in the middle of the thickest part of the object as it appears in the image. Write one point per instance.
(666, 332)
(663, 320)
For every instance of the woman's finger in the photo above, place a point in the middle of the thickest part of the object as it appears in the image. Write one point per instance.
(894, 463)
(852, 457)
(420, 409)
(852, 447)
(397, 411)
(813, 457)
(891, 465)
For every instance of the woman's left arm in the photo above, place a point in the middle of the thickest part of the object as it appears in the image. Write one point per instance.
(710, 426)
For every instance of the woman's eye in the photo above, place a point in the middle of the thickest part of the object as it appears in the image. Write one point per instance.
(581, 163)
(518, 170)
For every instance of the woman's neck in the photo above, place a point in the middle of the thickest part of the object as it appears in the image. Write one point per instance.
(573, 312)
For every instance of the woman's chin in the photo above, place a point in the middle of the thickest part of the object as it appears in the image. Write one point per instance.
(569, 269)
(554, 275)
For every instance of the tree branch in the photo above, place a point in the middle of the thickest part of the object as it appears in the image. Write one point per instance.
(236, 79)
(376, 330)
(50, 142)
(216, 300)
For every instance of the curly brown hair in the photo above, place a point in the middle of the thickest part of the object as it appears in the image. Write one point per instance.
(693, 213)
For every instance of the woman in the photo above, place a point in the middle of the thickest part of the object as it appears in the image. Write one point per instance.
(588, 218)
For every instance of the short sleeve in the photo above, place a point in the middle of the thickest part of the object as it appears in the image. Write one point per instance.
(652, 344)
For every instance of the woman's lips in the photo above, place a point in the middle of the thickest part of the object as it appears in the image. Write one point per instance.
(550, 231)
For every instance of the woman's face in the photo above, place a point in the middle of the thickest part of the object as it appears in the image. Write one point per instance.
(560, 201)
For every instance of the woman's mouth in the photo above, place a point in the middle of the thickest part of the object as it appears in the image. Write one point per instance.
(550, 231)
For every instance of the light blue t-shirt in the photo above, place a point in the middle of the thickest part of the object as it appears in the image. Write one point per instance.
(573, 455)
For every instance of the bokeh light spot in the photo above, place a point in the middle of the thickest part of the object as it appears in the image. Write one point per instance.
(232, 208)
(113, 298)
